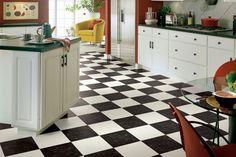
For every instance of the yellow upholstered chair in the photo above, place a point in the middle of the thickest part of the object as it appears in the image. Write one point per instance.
(94, 34)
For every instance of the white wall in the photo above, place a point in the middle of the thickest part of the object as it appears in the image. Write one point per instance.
(222, 10)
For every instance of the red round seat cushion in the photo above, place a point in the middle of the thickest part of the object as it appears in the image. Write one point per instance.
(93, 23)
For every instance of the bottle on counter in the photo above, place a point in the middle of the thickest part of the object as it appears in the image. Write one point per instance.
(190, 18)
(234, 24)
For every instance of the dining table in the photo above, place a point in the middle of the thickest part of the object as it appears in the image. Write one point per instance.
(200, 92)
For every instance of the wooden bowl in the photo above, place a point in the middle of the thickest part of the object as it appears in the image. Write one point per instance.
(226, 99)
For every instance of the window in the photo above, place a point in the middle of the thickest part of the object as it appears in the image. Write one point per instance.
(62, 19)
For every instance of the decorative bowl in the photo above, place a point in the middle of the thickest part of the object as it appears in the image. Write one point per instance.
(151, 21)
(226, 99)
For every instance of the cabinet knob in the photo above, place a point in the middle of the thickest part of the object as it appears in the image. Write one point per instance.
(219, 43)
(143, 30)
(195, 39)
(194, 54)
(176, 68)
(176, 50)
(194, 73)
(159, 33)
(176, 36)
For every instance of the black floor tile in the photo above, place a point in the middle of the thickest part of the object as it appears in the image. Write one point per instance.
(207, 132)
(5, 126)
(115, 96)
(166, 127)
(112, 74)
(167, 113)
(159, 77)
(163, 144)
(181, 85)
(79, 133)
(52, 128)
(154, 83)
(176, 101)
(105, 106)
(98, 67)
(88, 93)
(119, 69)
(97, 86)
(130, 122)
(106, 153)
(105, 79)
(150, 90)
(122, 88)
(18, 146)
(129, 81)
(84, 77)
(135, 75)
(94, 118)
(138, 109)
(139, 70)
(144, 99)
(81, 102)
(91, 72)
(119, 138)
(64, 150)
(124, 65)
(208, 117)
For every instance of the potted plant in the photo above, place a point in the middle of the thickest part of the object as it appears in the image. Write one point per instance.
(162, 14)
(92, 6)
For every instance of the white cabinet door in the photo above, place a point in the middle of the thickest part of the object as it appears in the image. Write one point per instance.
(26, 70)
(71, 77)
(216, 58)
(52, 84)
(160, 55)
(145, 51)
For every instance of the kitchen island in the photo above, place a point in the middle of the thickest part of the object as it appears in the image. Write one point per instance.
(38, 83)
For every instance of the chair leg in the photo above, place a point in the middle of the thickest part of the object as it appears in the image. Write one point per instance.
(217, 128)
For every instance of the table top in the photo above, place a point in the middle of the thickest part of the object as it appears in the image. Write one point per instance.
(199, 92)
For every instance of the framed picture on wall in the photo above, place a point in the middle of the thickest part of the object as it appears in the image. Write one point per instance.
(20, 10)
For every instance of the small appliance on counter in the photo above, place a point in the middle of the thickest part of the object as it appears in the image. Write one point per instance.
(171, 19)
(151, 17)
(209, 22)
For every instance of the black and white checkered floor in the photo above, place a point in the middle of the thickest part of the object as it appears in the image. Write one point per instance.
(122, 112)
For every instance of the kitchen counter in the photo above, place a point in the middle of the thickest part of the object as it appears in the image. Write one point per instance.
(226, 33)
(20, 45)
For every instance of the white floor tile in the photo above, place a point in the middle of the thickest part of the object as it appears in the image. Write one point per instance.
(138, 149)
(35, 153)
(69, 123)
(84, 88)
(11, 134)
(105, 71)
(125, 102)
(175, 136)
(120, 77)
(139, 85)
(104, 91)
(88, 82)
(114, 83)
(86, 69)
(92, 65)
(117, 113)
(170, 81)
(157, 105)
(1, 152)
(105, 127)
(152, 117)
(127, 72)
(96, 99)
(175, 153)
(166, 88)
(91, 145)
(133, 93)
(191, 109)
(96, 76)
(112, 66)
(81, 110)
(162, 96)
(144, 79)
(51, 139)
(145, 132)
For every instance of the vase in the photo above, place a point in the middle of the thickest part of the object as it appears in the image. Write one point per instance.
(94, 15)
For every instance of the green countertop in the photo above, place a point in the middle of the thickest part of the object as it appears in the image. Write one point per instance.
(20, 45)
(20, 24)
(226, 34)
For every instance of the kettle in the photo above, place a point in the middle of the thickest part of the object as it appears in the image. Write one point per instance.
(46, 30)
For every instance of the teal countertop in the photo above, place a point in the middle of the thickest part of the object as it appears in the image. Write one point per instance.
(226, 33)
(20, 45)
(20, 24)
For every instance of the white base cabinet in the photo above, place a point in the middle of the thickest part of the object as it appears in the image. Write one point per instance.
(44, 86)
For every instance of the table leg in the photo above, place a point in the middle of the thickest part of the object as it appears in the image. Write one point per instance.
(232, 129)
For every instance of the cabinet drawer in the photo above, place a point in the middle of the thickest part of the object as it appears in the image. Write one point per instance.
(185, 70)
(145, 31)
(192, 53)
(188, 37)
(221, 43)
(160, 33)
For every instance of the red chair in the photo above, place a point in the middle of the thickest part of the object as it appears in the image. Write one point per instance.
(221, 72)
(193, 143)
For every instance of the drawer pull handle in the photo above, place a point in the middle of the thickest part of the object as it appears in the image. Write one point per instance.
(194, 73)
(159, 33)
(176, 36)
(219, 43)
(176, 50)
(150, 44)
(143, 30)
(176, 68)
(194, 54)
(195, 39)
